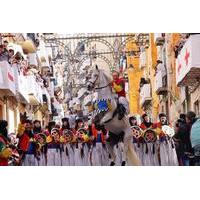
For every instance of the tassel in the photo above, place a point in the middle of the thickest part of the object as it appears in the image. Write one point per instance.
(172, 144)
(66, 151)
(82, 152)
(153, 148)
(147, 150)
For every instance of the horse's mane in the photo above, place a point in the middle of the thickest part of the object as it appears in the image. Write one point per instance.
(106, 75)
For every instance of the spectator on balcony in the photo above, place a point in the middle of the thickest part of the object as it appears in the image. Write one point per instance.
(5, 43)
(3, 54)
(11, 55)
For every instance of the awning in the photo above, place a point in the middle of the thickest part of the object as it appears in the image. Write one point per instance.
(35, 91)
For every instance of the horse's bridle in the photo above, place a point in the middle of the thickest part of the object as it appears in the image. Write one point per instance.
(98, 88)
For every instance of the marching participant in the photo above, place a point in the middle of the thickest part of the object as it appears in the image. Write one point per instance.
(167, 151)
(86, 143)
(27, 144)
(66, 151)
(99, 154)
(146, 123)
(5, 151)
(78, 151)
(53, 145)
(41, 160)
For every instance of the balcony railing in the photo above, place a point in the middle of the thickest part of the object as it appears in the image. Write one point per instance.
(35, 91)
(145, 94)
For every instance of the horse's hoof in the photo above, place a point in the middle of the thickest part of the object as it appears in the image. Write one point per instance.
(123, 163)
(112, 163)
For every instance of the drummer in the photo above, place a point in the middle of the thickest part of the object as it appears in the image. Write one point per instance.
(78, 148)
(133, 121)
(146, 122)
(65, 147)
(162, 121)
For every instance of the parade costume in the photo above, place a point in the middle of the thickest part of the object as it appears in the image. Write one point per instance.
(118, 86)
(99, 152)
(42, 148)
(167, 151)
(53, 148)
(27, 144)
(66, 151)
(29, 158)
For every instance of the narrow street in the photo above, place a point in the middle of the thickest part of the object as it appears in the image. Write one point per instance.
(99, 99)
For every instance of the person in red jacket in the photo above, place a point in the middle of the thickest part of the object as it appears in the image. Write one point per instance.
(99, 155)
(118, 85)
(162, 121)
(146, 123)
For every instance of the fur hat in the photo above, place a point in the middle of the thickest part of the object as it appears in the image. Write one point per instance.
(162, 115)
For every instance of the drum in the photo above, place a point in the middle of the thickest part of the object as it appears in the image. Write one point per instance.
(150, 136)
(167, 130)
(137, 132)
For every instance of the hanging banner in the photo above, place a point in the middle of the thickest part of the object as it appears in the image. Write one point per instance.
(188, 62)
(7, 81)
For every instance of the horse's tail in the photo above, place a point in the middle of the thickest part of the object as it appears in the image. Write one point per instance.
(132, 156)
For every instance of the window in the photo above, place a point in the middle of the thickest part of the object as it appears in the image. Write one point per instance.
(196, 107)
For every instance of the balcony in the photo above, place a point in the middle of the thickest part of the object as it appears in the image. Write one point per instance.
(145, 95)
(142, 60)
(47, 99)
(34, 91)
(188, 62)
(32, 59)
(7, 79)
(160, 83)
(159, 39)
(21, 84)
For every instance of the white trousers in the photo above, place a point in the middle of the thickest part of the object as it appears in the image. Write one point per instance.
(29, 160)
(86, 157)
(53, 157)
(65, 155)
(78, 160)
(100, 156)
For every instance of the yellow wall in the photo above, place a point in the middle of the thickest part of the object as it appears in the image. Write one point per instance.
(152, 60)
(134, 76)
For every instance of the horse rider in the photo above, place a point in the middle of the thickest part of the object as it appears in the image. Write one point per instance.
(118, 85)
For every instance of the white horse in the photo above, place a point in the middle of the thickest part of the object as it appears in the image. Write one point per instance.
(105, 111)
